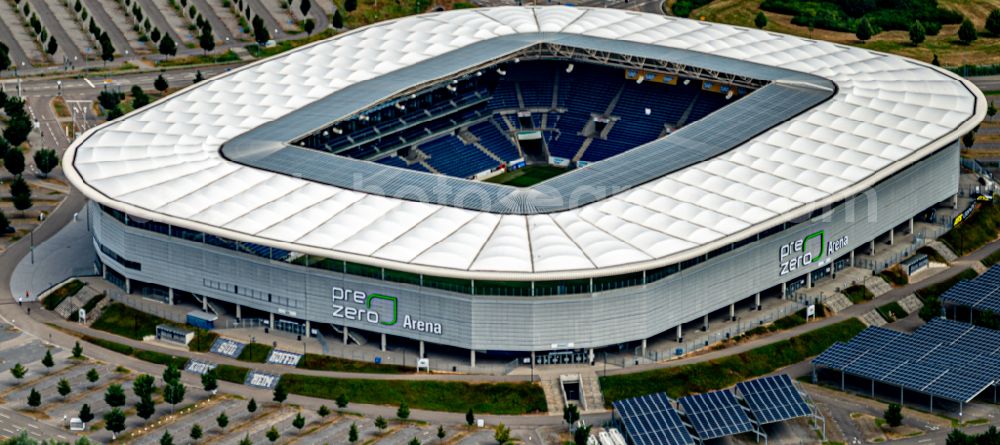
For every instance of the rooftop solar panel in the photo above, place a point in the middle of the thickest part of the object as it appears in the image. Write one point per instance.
(838, 356)
(773, 399)
(981, 293)
(651, 420)
(715, 414)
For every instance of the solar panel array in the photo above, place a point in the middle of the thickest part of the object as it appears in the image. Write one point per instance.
(943, 358)
(773, 399)
(715, 414)
(651, 420)
(981, 293)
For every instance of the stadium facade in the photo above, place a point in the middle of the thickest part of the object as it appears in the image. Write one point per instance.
(277, 189)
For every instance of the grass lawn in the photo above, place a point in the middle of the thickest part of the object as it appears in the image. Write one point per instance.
(285, 45)
(256, 353)
(160, 358)
(528, 176)
(202, 341)
(200, 59)
(110, 345)
(458, 397)
(122, 320)
(725, 372)
(891, 312)
(992, 259)
(935, 290)
(858, 294)
(326, 363)
(65, 291)
(230, 373)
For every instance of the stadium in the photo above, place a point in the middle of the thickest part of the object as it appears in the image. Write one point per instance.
(521, 179)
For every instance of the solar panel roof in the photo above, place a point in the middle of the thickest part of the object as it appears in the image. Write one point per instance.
(981, 293)
(773, 399)
(652, 420)
(715, 414)
(943, 358)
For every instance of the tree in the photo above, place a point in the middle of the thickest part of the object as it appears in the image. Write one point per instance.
(352, 435)
(144, 385)
(155, 36)
(4, 223)
(107, 49)
(381, 424)
(309, 25)
(993, 22)
(77, 350)
(470, 418)
(46, 159)
(957, 437)
(252, 406)
(4, 57)
(298, 422)
(760, 21)
(864, 31)
(167, 45)
(115, 113)
(47, 360)
(166, 438)
(160, 84)
(34, 398)
(173, 394)
(198, 77)
(968, 139)
(77, 6)
(893, 415)
(18, 128)
(85, 414)
(917, 33)
(404, 411)
(272, 434)
(414, 441)
(341, 401)
(196, 432)
(935, 60)
(21, 196)
(323, 411)
(338, 20)
(967, 32)
(571, 414)
(260, 34)
(501, 434)
(4, 145)
(139, 98)
(52, 47)
(304, 7)
(171, 374)
(93, 376)
(114, 396)
(350, 5)
(222, 420)
(991, 110)
(210, 381)
(63, 388)
(581, 435)
(206, 40)
(280, 393)
(441, 433)
(145, 408)
(18, 371)
(13, 161)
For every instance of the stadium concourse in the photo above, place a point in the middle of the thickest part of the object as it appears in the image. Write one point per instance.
(342, 189)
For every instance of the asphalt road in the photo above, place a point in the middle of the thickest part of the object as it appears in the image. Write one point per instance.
(13, 422)
(987, 83)
(55, 28)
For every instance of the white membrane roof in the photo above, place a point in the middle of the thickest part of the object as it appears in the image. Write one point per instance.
(163, 162)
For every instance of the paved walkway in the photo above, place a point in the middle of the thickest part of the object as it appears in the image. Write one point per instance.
(67, 254)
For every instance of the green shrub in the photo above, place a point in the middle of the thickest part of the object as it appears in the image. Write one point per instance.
(891, 312)
(494, 398)
(321, 362)
(931, 294)
(895, 276)
(932, 254)
(160, 358)
(87, 307)
(110, 345)
(122, 320)
(858, 294)
(992, 259)
(202, 341)
(724, 372)
(256, 353)
(63, 292)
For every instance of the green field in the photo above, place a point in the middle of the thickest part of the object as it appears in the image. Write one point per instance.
(528, 176)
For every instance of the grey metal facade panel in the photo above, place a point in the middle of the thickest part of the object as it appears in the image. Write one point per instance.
(533, 323)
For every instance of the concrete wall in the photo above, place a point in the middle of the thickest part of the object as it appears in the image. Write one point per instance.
(524, 323)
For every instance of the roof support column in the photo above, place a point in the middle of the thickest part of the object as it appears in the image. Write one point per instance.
(345, 334)
(421, 349)
(892, 233)
(472, 358)
(383, 342)
(705, 323)
(756, 301)
(732, 311)
(170, 297)
(239, 310)
(680, 333)
(204, 305)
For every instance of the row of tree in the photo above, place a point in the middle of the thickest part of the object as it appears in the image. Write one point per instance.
(43, 34)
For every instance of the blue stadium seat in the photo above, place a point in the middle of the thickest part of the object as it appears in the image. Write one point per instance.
(451, 157)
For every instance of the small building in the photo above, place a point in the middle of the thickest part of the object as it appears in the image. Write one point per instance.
(174, 334)
(202, 319)
(915, 264)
